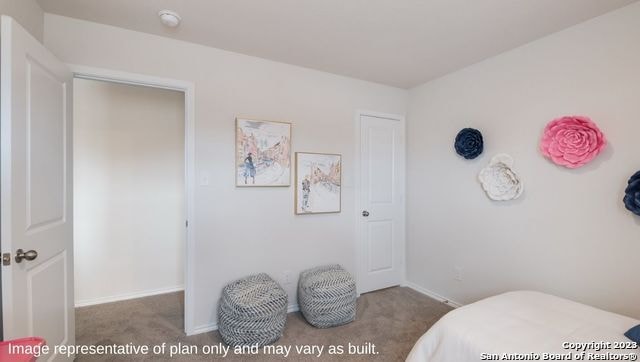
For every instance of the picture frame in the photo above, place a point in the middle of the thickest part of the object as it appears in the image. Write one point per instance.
(318, 183)
(263, 153)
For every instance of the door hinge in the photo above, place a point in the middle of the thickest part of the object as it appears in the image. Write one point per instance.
(6, 259)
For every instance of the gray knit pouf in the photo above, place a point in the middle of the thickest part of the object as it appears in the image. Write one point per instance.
(327, 296)
(252, 310)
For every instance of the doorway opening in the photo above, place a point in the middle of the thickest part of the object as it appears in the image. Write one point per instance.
(130, 201)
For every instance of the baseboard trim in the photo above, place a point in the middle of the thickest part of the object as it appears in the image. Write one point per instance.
(127, 296)
(293, 308)
(433, 295)
(205, 328)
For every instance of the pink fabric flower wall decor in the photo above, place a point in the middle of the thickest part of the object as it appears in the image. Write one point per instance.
(572, 141)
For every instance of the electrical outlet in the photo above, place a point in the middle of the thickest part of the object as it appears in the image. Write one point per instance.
(458, 273)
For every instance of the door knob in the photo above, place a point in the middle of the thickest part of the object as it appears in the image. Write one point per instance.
(28, 255)
(365, 213)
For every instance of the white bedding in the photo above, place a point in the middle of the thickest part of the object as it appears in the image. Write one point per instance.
(520, 322)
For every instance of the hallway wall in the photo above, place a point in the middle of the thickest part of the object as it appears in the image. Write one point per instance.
(129, 191)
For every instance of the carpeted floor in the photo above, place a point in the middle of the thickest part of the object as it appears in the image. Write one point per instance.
(391, 319)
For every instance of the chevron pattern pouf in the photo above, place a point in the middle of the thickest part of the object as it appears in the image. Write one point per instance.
(327, 296)
(252, 311)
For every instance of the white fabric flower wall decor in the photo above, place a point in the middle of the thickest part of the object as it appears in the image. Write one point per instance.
(499, 180)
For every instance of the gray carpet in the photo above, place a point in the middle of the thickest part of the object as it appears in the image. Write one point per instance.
(392, 319)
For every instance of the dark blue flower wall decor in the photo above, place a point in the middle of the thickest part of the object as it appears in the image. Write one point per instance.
(469, 143)
(632, 194)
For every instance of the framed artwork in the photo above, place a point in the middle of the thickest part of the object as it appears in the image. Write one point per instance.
(318, 183)
(263, 153)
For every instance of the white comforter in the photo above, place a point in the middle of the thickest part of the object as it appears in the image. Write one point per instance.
(528, 323)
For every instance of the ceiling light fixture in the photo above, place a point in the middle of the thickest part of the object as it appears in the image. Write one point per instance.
(169, 18)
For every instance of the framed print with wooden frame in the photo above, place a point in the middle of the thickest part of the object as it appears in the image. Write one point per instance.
(318, 183)
(263, 153)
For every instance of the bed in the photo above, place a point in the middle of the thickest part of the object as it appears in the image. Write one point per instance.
(525, 324)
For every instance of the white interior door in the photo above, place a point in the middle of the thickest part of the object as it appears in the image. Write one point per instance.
(36, 188)
(381, 214)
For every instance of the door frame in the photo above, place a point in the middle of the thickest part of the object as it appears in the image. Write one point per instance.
(188, 88)
(358, 188)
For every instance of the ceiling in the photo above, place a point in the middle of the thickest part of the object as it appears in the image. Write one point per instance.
(401, 43)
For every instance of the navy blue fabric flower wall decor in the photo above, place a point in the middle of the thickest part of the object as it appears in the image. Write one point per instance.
(632, 194)
(469, 143)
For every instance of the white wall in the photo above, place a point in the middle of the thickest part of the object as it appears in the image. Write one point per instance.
(569, 234)
(239, 231)
(128, 191)
(27, 13)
